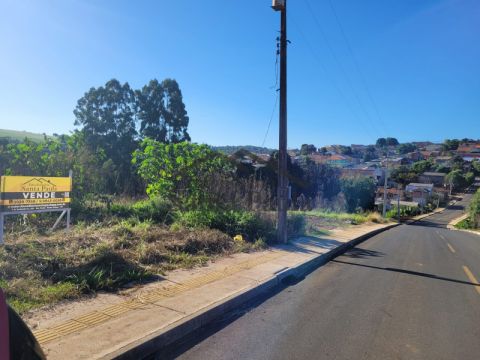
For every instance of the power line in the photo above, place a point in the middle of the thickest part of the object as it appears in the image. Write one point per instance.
(271, 118)
(276, 91)
(354, 58)
(337, 87)
(342, 69)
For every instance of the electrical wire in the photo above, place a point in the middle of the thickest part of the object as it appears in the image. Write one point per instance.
(357, 66)
(315, 55)
(342, 69)
(276, 92)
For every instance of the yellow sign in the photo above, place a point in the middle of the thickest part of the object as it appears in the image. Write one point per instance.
(27, 193)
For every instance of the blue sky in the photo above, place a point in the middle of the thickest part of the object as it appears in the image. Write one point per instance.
(405, 68)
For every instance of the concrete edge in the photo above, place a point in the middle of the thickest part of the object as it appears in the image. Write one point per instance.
(451, 224)
(421, 217)
(162, 338)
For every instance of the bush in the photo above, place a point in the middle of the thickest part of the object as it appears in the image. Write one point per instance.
(155, 209)
(359, 192)
(295, 225)
(246, 223)
(474, 210)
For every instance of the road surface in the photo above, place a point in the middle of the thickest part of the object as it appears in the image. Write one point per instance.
(408, 293)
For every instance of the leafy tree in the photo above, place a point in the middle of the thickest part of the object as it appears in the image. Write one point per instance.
(107, 117)
(450, 144)
(381, 142)
(421, 166)
(346, 150)
(323, 150)
(456, 179)
(162, 112)
(403, 175)
(180, 172)
(359, 192)
(391, 141)
(476, 167)
(442, 169)
(319, 179)
(469, 178)
(307, 149)
(406, 148)
(370, 153)
(458, 162)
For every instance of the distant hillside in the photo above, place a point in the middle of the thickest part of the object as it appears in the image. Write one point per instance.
(233, 149)
(20, 135)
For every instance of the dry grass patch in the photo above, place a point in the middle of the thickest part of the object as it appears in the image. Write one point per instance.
(44, 269)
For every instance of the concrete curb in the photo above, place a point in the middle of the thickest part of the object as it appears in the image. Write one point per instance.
(158, 340)
(451, 224)
(421, 217)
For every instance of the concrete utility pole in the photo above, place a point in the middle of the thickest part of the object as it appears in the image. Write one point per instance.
(384, 210)
(281, 5)
(398, 202)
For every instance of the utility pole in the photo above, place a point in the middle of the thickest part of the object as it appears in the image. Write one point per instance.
(398, 202)
(384, 210)
(282, 195)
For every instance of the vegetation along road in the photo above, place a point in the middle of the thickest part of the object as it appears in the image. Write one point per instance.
(408, 293)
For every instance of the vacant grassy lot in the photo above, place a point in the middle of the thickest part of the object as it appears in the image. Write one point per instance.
(38, 270)
(115, 246)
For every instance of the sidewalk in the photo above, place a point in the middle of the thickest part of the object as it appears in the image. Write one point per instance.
(162, 312)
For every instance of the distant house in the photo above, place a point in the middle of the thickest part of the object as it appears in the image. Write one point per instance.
(336, 160)
(392, 193)
(421, 144)
(358, 148)
(435, 178)
(414, 156)
(429, 154)
(371, 172)
(443, 160)
(433, 147)
(419, 192)
(468, 148)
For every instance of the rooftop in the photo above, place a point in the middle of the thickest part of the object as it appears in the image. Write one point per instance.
(434, 174)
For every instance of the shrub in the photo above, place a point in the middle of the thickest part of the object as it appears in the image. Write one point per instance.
(248, 224)
(155, 209)
(295, 225)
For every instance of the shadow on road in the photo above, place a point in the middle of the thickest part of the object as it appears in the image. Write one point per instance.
(409, 272)
(358, 253)
(430, 224)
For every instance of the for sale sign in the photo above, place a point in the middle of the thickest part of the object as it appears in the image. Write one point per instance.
(31, 193)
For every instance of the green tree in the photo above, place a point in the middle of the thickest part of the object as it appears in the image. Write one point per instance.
(449, 145)
(161, 112)
(403, 175)
(469, 178)
(406, 148)
(370, 153)
(107, 118)
(476, 167)
(307, 149)
(421, 166)
(456, 179)
(381, 142)
(180, 172)
(359, 192)
(391, 141)
(346, 150)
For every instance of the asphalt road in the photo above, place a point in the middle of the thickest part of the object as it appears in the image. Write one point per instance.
(408, 293)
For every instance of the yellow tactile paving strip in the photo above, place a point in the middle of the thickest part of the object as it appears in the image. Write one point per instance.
(97, 317)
